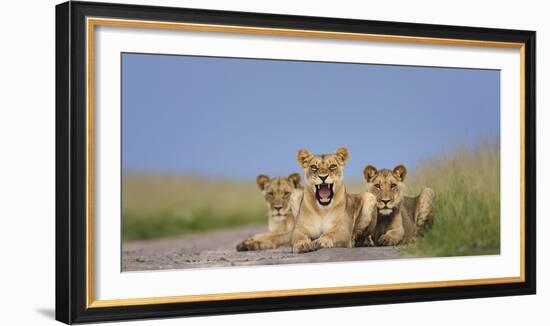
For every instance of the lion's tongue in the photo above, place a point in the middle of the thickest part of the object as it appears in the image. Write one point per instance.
(324, 191)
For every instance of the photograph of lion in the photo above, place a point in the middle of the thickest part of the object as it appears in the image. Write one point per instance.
(243, 162)
(324, 215)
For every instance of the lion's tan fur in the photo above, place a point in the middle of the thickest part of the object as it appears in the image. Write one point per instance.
(399, 219)
(282, 197)
(364, 208)
(321, 224)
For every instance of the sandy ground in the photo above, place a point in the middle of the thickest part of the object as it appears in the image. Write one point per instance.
(217, 249)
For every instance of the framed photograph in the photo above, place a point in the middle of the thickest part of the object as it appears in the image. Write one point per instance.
(212, 162)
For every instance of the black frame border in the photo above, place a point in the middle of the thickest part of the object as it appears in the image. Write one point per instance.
(71, 162)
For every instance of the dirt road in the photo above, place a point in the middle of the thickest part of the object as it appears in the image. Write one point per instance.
(217, 249)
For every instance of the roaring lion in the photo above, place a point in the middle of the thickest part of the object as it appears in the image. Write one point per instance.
(400, 219)
(327, 214)
(282, 196)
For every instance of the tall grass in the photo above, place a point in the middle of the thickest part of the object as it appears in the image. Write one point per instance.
(467, 207)
(162, 205)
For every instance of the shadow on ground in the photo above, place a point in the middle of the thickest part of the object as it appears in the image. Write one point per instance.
(47, 312)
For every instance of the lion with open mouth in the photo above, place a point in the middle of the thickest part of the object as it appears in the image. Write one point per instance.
(328, 213)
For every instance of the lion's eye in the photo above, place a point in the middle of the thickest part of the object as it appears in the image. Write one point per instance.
(287, 194)
(332, 167)
(377, 186)
(393, 185)
(270, 194)
(313, 168)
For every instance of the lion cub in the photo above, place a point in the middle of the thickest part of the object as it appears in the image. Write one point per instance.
(327, 214)
(400, 219)
(282, 196)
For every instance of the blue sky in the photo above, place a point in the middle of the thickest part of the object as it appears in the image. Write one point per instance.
(236, 118)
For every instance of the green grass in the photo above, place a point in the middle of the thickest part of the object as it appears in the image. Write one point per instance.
(161, 205)
(467, 207)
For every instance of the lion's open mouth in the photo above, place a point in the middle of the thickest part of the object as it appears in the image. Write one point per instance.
(324, 193)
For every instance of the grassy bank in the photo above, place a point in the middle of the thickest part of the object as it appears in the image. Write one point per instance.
(159, 206)
(467, 207)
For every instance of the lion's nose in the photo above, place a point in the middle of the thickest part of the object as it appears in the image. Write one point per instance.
(278, 207)
(385, 201)
(323, 178)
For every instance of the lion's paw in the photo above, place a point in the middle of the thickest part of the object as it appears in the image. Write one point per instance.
(323, 242)
(248, 245)
(301, 247)
(387, 240)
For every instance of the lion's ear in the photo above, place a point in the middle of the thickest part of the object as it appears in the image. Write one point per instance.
(400, 172)
(295, 179)
(342, 154)
(303, 157)
(370, 172)
(261, 180)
